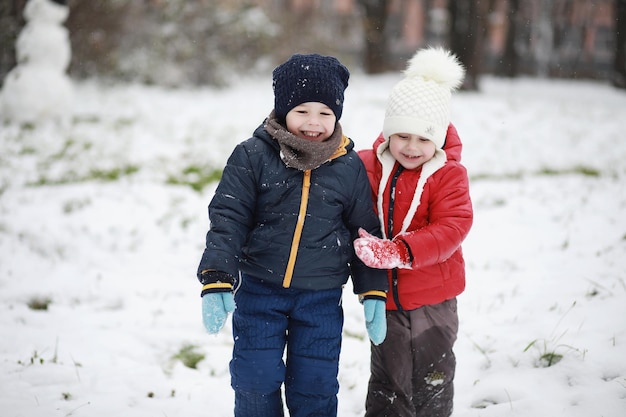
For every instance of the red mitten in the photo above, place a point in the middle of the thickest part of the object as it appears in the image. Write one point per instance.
(381, 253)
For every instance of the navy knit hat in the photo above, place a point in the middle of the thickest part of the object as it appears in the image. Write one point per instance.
(305, 78)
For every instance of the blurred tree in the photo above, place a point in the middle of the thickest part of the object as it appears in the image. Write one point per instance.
(11, 23)
(176, 42)
(375, 14)
(315, 27)
(619, 61)
(467, 29)
(173, 42)
(509, 65)
(96, 33)
(543, 38)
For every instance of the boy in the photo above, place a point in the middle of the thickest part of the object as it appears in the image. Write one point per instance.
(422, 198)
(283, 219)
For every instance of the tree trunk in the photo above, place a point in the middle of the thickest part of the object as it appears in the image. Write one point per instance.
(619, 62)
(466, 37)
(374, 19)
(509, 66)
(11, 23)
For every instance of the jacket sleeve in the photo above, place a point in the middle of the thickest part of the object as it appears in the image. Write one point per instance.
(231, 215)
(450, 218)
(361, 214)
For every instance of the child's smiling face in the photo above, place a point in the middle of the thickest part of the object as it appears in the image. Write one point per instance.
(312, 121)
(411, 151)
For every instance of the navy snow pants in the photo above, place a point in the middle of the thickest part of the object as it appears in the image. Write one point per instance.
(268, 319)
(412, 371)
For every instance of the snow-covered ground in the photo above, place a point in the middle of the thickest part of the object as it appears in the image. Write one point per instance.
(97, 225)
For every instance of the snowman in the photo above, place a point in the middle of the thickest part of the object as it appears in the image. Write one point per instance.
(38, 88)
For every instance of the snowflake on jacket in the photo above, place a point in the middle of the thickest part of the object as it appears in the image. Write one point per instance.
(255, 211)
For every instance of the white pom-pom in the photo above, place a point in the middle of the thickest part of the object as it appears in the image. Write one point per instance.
(438, 65)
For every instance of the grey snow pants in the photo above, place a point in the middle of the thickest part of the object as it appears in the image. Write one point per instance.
(412, 371)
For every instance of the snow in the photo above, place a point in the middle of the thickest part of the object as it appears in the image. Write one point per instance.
(95, 223)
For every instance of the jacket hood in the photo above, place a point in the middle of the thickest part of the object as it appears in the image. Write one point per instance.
(451, 151)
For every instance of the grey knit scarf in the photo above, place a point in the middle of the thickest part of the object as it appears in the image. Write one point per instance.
(302, 154)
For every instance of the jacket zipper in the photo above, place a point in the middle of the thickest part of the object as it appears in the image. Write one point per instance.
(394, 272)
(304, 201)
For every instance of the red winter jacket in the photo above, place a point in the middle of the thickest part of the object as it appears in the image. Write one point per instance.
(433, 226)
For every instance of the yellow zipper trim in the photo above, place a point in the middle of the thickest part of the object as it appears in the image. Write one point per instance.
(306, 185)
(341, 150)
(217, 285)
(376, 293)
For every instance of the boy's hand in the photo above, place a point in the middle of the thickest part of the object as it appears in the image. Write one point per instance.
(217, 299)
(381, 253)
(375, 320)
(215, 309)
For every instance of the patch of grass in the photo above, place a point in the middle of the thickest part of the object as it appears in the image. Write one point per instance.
(549, 358)
(39, 303)
(34, 358)
(151, 394)
(189, 356)
(113, 174)
(195, 176)
(544, 172)
(85, 119)
(123, 122)
(509, 176)
(73, 205)
(355, 335)
(28, 126)
(581, 170)
(548, 355)
(102, 175)
(27, 150)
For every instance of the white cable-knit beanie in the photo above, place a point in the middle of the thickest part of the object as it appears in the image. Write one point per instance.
(420, 103)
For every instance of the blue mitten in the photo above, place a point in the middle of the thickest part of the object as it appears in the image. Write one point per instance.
(375, 320)
(217, 299)
(215, 309)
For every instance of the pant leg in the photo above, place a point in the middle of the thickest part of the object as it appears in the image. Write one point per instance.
(259, 333)
(390, 388)
(413, 369)
(434, 330)
(313, 347)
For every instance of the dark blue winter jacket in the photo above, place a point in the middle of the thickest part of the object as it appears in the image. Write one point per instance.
(256, 226)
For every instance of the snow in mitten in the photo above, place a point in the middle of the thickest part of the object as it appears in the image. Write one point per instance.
(381, 253)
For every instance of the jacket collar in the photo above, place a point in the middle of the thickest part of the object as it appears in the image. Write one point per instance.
(388, 162)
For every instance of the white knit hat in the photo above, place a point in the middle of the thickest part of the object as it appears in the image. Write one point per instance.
(420, 103)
